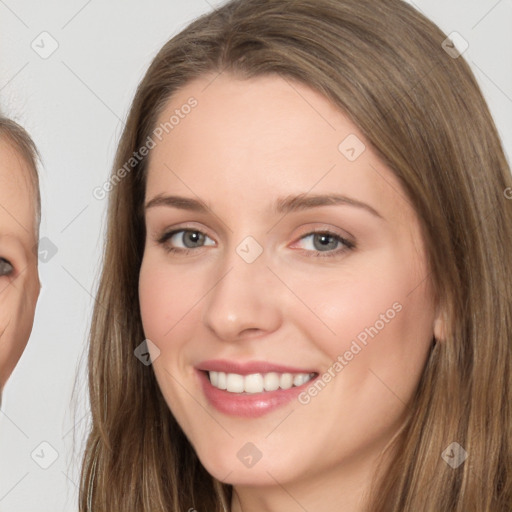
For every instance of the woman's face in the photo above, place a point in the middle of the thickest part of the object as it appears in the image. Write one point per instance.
(19, 279)
(249, 269)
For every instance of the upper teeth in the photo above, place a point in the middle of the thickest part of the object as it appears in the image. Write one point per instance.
(257, 382)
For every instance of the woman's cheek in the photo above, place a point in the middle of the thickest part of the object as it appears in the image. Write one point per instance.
(155, 290)
(349, 307)
(166, 294)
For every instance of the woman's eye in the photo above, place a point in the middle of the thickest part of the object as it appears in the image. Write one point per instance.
(320, 243)
(5, 267)
(188, 238)
(326, 244)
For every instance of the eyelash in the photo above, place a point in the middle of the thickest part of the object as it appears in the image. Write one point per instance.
(348, 245)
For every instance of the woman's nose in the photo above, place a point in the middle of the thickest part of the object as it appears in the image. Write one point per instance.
(245, 299)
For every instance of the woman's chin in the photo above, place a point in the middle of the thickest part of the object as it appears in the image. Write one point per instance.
(247, 469)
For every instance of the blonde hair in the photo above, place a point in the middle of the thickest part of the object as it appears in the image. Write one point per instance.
(383, 65)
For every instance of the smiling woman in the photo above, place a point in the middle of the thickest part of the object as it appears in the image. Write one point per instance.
(316, 262)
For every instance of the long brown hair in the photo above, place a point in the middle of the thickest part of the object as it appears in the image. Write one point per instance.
(383, 64)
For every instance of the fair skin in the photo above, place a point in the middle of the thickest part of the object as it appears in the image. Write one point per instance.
(19, 278)
(247, 143)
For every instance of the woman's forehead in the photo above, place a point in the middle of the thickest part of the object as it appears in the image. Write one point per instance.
(265, 138)
(17, 196)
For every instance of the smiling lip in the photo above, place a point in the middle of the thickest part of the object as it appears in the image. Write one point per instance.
(223, 365)
(248, 405)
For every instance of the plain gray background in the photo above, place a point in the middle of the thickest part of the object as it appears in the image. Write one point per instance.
(73, 103)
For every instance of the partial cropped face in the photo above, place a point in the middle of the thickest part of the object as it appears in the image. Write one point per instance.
(19, 279)
(253, 279)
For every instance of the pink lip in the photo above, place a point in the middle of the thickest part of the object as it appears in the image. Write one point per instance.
(223, 365)
(247, 405)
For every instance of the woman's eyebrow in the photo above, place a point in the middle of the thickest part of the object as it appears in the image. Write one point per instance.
(282, 205)
(304, 201)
